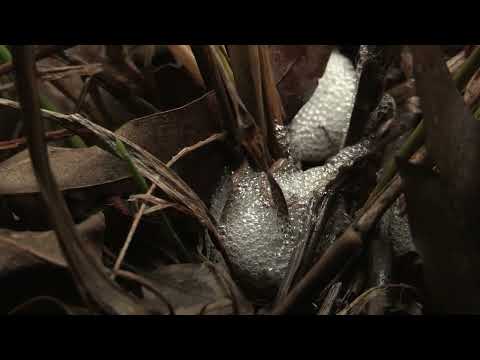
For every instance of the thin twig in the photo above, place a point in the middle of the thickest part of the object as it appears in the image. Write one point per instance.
(143, 207)
(189, 149)
(142, 186)
(131, 232)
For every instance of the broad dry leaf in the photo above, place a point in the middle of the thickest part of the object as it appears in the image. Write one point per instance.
(147, 165)
(162, 134)
(194, 289)
(23, 249)
(73, 169)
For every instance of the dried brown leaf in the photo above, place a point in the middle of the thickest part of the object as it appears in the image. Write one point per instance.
(146, 164)
(162, 134)
(73, 168)
(194, 289)
(27, 248)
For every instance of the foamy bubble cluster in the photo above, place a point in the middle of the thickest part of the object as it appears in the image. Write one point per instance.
(319, 128)
(259, 242)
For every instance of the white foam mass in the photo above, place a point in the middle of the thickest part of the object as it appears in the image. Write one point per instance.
(319, 128)
(260, 243)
